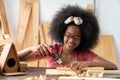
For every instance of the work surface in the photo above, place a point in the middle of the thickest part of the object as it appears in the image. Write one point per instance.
(32, 72)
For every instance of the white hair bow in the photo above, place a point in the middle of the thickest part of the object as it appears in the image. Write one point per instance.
(77, 20)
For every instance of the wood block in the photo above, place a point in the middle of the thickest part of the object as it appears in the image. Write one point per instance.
(55, 72)
(93, 68)
(23, 66)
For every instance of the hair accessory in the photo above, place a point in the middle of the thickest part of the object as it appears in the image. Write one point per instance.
(77, 20)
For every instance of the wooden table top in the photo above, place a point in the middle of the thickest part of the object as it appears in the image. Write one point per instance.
(32, 72)
(37, 71)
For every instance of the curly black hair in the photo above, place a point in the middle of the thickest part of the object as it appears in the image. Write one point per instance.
(89, 27)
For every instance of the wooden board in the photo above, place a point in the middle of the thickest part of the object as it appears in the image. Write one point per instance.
(83, 78)
(111, 72)
(23, 26)
(31, 36)
(4, 21)
(32, 29)
(55, 72)
(62, 71)
(106, 49)
(44, 35)
(44, 39)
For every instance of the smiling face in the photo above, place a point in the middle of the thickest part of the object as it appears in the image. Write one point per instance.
(72, 37)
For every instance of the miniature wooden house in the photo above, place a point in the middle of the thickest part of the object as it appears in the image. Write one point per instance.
(9, 61)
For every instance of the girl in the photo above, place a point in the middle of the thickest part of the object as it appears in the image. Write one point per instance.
(76, 31)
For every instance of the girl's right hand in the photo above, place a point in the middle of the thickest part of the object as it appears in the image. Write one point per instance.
(42, 50)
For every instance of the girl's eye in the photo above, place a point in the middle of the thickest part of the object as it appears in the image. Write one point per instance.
(74, 37)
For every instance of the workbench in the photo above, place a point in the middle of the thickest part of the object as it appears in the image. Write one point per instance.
(37, 71)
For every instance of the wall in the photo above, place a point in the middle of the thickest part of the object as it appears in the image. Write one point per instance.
(107, 12)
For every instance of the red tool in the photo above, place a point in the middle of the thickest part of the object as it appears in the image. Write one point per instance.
(53, 53)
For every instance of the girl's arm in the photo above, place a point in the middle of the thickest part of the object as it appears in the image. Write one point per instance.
(100, 62)
(97, 62)
(29, 54)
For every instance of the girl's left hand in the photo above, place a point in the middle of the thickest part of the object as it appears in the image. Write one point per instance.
(77, 65)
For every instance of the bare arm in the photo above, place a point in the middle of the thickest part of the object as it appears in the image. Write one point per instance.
(97, 62)
(100, 62)
(29, 54)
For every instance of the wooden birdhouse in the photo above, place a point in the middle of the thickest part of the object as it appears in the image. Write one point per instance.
(9, 61)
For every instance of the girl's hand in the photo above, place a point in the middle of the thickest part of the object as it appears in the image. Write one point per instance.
(77, 65)
(42, 50)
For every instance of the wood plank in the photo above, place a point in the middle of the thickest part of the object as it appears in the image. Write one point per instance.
(46, 27)
(0, 28)
(21, 11)
(28, 35)
(4, 18)
(44, 39)
(105, 71)
(32, 38)
(105, 48)
(23, 26)
(42, 34)
(35, 21)
(55, 72)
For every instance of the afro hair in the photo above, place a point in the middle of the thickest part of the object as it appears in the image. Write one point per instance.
(89, 27)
